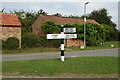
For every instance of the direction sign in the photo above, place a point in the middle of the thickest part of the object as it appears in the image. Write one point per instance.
(61, 36)
(54, 36)
(69, 30)
(70, 35)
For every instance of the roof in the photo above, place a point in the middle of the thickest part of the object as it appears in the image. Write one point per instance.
(9, 19)
(60, 20)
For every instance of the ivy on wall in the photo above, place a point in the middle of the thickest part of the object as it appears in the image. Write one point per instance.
(95, 33)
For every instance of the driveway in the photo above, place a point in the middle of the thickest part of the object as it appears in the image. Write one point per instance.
(88, 53)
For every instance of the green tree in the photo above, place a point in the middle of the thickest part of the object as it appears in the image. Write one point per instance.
(102, 16)
(28, 18)
(2, 11)
(57, 14)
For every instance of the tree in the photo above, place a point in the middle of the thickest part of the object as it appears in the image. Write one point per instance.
(41, 11)
(28, 18)
(102, 16)
(2, 11)
(75, 16)
(57, 14)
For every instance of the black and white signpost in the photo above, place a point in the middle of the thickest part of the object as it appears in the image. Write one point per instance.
(62, 44)
(63, 36)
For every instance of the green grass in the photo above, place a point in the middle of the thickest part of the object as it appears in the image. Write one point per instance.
(105, 46)
(72, 67)
(30, 50)
(43, 50)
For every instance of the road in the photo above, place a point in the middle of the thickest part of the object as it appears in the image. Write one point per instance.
(103, 52)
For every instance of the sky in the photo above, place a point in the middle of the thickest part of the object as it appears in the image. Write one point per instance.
(64, 7)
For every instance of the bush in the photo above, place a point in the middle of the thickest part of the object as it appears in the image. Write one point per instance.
(44, 42)
(11, 43)
(56, 43)
(29, 40)
(91, 42)
(0, 44)
(32, 40)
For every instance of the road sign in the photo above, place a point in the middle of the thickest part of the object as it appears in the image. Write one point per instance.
(61, 36)
(70, 35)
(55, 36)
(69, 30)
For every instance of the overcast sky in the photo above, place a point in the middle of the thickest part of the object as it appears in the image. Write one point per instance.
(65, 7)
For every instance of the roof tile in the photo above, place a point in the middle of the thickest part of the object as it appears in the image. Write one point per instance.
(9, 19)
(60, 20)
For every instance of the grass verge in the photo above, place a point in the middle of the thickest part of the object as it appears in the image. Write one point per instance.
(43, 50)
(71, 67)
(30, 50)
(107, 45)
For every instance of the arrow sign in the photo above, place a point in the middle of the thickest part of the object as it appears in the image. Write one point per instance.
(55, 36)
(61, 36)
(69, 30)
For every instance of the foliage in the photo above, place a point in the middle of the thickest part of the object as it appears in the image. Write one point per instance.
(28, 18)
(49, 27)
(57, 14)
(2, 11)
(31, 40)
(0, 44)
(118, 35)
(3, 44)
(11, 43)
(75, 16)
(102, 17)
(95, 33)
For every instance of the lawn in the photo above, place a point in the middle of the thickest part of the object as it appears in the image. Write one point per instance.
(107, 45)
(71, 67)
(43, 50)
(30, 50)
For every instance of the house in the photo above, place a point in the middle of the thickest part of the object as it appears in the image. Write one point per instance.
(10, 26)
(60, 21)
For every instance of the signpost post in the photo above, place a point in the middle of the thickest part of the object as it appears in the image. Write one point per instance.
(63, 36)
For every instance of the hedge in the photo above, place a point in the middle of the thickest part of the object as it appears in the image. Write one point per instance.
(31, 40)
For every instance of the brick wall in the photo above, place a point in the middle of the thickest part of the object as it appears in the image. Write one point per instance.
(72, 42)
(6, 32)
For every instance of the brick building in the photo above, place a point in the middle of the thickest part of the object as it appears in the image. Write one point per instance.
(60, 21)
(10, 26)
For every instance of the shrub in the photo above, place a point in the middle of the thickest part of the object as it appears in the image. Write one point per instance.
(32, 40)
(0, 44)
(55, 43)
(29, 40)
(11, 43)
(44, 42)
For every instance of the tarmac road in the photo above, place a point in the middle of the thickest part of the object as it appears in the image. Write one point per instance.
(102, 52)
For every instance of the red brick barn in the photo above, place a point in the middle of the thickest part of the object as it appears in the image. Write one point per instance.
(10, 26)
(59, 21)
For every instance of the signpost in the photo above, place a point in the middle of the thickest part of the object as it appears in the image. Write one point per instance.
(69, 30)
(63, 36)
